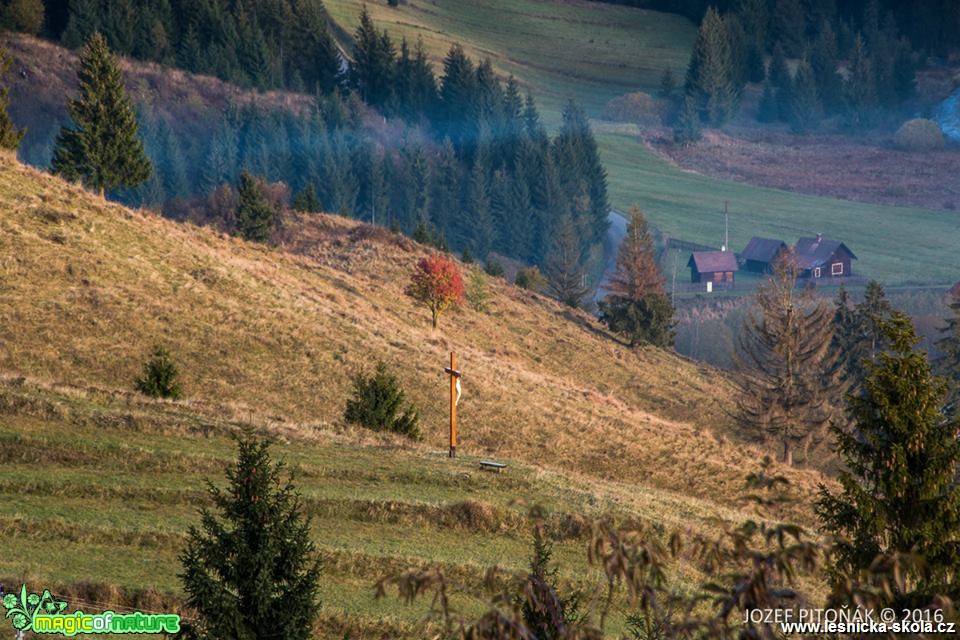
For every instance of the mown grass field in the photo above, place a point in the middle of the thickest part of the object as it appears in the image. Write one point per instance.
(97, 492)
(99, 485)
(577, 49)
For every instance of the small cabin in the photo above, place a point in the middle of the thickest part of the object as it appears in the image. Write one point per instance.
(821, 258)
(712, 266)
(760, 254)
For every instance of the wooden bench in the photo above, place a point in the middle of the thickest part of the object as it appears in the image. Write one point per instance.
(494, 467)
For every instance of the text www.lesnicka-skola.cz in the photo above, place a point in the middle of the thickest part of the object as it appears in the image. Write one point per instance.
(827, 621)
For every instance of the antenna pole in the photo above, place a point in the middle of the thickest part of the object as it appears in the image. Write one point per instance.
(726, 226)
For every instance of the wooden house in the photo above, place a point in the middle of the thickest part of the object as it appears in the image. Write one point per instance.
(821, 258)
(760, 254)
(712, 266)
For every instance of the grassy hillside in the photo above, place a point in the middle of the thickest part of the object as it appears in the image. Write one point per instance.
(94, 475)
(565, 49)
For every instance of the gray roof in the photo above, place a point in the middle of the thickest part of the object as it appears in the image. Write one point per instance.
(955, 291)
(713, 261)
(815, 252)
(762, 249)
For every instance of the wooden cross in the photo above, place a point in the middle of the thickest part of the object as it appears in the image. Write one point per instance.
(454, 393)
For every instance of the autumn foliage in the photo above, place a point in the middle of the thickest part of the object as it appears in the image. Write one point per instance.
(436, 284)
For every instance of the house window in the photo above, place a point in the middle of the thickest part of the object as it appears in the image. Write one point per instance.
(729, 276)
(816, 272)
(836, 269)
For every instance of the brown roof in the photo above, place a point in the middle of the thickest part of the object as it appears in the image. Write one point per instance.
(815, 252)
(713, 261)
(762, 249)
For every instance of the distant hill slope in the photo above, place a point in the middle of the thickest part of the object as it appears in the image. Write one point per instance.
(87, 288)
(562, 50)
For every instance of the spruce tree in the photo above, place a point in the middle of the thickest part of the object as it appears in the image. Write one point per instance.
(779, 73)
(864, 339)
(898, 490)
(581, 173)
(565, 273)
(687, 128)
(307, 200)
(161, 378)
(756, 22)
(636, 274)
(318, 60)
(767, 110)
(949, 361)
(82, 23)
(786, 368)
(860, 90)
(171, 165)
(546, 614)
(250, 569)
(101, 146)
(25, 16)
(668, 84)
(710, 80)
(372, 68)
(805, 107)
(10, 136)
(457, 98)
(254, 213)
(477, 209)
(789, 24)
(823, 60)
(222, 161)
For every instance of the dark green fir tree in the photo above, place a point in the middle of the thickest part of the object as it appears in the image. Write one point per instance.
(767, 111)
(254, 214)
(101, 145)
(779, 73)
(307, 200)
(949, 362)
(10, 136)
(805, 106)
(250, 569)
(710, 76)
(898, 490)
(687, 128)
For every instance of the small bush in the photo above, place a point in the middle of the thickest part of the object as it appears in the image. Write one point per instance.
(919, 134)
(161, 378)
(477, 294)
(639, 108)
(377, 404)
(531, 279)
(493, 268)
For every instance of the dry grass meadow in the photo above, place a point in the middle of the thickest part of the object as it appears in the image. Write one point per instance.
(269, 336)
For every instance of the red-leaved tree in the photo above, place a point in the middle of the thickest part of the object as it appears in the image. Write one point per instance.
(437, 285)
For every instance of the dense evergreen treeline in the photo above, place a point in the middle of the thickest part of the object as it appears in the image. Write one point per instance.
(933, 26)
(466, 162)
(859, 75)
(275, 43)
(503, 192)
